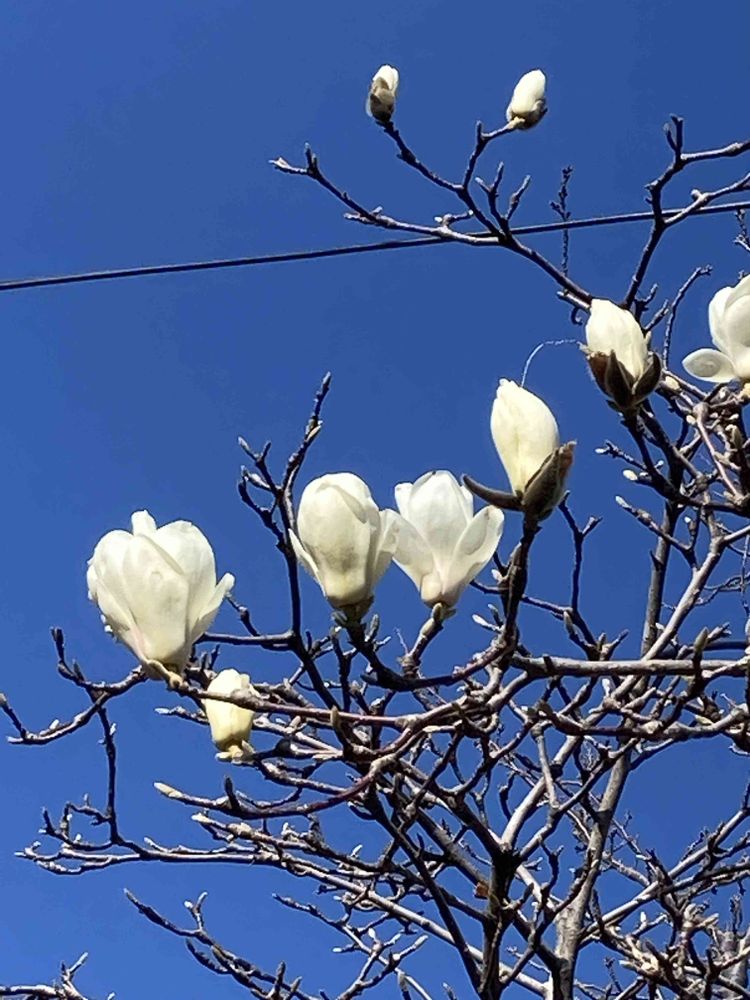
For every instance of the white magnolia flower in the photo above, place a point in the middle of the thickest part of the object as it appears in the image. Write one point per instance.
(528, 105)
(230, 724)
(442, 543)
(381, 98)
(729, 322)
(524, 431)
(611, 329)
(156, 588)
(342, 539)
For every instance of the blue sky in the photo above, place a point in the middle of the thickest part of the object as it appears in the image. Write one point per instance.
(141, 133)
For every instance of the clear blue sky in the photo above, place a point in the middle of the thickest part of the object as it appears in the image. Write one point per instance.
(141, 133)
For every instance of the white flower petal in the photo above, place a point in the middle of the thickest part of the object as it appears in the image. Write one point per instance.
(389, 77)
(142, 523)
(740, 291)
(709, 365)
(741, 362)
(437, 509)
(157, 596)
(412, 554)
(210, 609)
(104, 580)
(402, 493)
(303, 557)
(115, 616)
(736, 324)
(715, 314)
(189, 548)
(468, 502)
(387, 543)
(475, 548)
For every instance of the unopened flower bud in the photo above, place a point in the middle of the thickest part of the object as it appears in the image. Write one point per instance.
(381, 99)
(528, 104)
(230, 724)
(619, 358)
(528, 443)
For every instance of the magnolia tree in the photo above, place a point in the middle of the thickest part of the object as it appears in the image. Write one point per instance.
(491, 791)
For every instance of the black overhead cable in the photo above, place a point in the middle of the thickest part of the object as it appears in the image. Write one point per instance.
(397, 244)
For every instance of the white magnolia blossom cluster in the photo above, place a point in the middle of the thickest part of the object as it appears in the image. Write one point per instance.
(346, 543)
(157, 590)
(527, 105)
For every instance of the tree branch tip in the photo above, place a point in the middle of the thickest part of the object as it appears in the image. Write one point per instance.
(167, 790)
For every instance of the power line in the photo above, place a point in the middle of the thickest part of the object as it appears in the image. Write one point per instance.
(399, 244)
